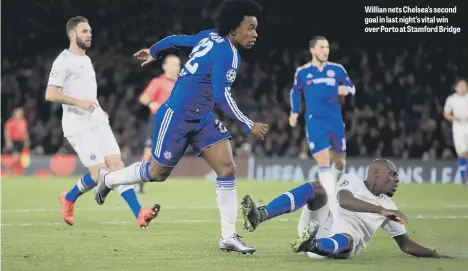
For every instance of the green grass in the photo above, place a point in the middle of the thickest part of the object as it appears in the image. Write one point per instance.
(185, 236)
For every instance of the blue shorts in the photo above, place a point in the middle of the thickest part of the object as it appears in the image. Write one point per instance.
(326, 134)
(173, 133)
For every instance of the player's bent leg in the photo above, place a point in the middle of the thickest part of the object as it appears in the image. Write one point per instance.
(338, 246)
(85, 183)
(309, 193)
(219, 157)
(316, 210)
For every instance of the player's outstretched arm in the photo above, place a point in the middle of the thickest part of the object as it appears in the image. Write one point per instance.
(174, 42)
(410, 247)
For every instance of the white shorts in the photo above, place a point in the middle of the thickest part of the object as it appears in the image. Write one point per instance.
(93, 145)
(460, 140)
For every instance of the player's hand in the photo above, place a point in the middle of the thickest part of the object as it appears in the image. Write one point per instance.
(395, 215)
(293, 120)
(145, 56)
(259, 129)
(89, 106)
(343, 90)
(435, 254)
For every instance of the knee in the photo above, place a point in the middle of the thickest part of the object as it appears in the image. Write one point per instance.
(320, 198)
(319, 190)
(115, 165)
(227, 169)
(339, 162)
(322, 158)
(463, 155)
(159, 173)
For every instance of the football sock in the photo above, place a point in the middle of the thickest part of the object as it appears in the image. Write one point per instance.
(331, 246)
(128, 194)
(462, 167)
(337, 172)
(134, 173)
(82, 186)
(307, 215)
(290, 201)
(226, 197)
(329, 184)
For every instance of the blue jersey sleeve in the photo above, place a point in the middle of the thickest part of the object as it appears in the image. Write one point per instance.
(222, 77)
(296, 93)
(176, 41)
(344, 79)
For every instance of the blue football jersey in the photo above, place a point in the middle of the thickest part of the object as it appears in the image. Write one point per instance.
(206, 78)
(320, 90)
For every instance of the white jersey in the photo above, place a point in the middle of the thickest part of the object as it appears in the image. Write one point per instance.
(362, 226)
(74, 75)
(457, 105)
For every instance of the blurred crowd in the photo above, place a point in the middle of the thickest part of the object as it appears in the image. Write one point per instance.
(396, 112)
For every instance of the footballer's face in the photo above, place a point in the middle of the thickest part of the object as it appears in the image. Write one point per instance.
(82, 35)
(461, 87)
(390, 180)
(245, 34)
(171, 66)
(321, 50)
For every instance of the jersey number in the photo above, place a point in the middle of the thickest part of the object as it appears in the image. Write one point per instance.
(205, 45)
(220, 126)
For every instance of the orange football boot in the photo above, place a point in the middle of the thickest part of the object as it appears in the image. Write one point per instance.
(67, 209)
(147, 214)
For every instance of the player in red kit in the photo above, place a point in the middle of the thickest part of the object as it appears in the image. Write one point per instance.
(156, 94)
(16, 137)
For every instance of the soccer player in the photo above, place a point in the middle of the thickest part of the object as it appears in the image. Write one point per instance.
(187, 116)
(16, 137)
(365, 206)
(322, 83)
(72, 83)
(154, 95)
(456, 112)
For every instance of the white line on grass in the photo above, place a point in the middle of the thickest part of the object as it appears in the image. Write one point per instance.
(201, 207)
(191, 221)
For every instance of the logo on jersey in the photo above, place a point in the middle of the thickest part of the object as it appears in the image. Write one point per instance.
(330, 73)
(231, 75)
(53, 73)
(92, 156)
(167, 155)
(344, 183)
(309, 76)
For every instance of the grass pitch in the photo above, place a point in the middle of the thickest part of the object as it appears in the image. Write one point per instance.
(185, 236)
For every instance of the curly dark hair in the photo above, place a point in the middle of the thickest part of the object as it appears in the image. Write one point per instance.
(231, 13)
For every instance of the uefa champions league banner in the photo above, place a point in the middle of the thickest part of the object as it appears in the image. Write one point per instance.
(410, 171)
(259, 169)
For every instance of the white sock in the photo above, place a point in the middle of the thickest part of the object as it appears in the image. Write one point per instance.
(320, 215)
(226, 197)
(329, 184)
(337, 173)
(134, 173)
(123, 188)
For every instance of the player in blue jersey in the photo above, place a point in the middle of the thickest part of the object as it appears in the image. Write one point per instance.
(322, 83)
(187, 116)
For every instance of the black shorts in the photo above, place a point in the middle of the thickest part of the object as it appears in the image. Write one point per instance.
(18, 147)
(149, 132)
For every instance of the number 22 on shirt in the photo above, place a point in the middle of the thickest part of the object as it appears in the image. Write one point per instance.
(203, 47)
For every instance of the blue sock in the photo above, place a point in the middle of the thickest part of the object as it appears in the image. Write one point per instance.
(144, 171)
(290, 201)
(128, 194)
(331, 246)
(462, 167)
(85, 184)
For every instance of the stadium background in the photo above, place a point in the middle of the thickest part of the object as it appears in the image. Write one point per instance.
(401, 83)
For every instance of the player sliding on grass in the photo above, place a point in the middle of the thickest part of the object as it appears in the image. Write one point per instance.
(187, 116)
(364, 207)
